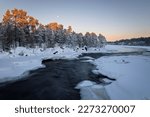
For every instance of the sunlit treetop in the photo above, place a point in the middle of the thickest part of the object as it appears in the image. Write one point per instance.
(19, 18)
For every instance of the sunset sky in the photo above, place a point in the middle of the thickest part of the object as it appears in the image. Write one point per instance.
(115, 19)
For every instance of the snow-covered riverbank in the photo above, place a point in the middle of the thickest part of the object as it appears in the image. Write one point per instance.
(131, 73)
(22, 59)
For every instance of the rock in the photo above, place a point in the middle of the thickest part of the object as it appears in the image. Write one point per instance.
(55, 52)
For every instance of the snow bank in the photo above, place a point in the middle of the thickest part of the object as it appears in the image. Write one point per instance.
(10, 67)
(22, 59)
(132, 74)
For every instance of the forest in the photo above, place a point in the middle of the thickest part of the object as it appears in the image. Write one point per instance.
(18, 29)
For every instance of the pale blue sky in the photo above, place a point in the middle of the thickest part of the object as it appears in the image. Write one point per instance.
(115, 19)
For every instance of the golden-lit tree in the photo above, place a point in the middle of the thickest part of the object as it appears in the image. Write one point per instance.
(69, 30)
(20, 18)
(60, 27)
(53, 26)
(32, 22)
(7, 17)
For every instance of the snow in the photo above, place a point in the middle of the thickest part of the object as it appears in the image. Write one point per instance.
(131, 73)
(88, 57)
(90, 90)
(11, 68)
(14, 66)
(85, 83)
(118, 49)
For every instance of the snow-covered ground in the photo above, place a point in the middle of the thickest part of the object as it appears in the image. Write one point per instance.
(131, 73)
(21, 60)
(132, 76)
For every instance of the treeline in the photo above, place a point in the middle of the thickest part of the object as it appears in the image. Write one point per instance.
(19, 29)
(142, 41)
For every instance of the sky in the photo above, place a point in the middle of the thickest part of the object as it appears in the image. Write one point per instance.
(115, 19)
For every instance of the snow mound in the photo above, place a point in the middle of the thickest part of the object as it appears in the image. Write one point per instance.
(85, 83)
(87, 57)
(91, 91)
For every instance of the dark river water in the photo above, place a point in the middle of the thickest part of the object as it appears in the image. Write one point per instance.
(54, 82)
